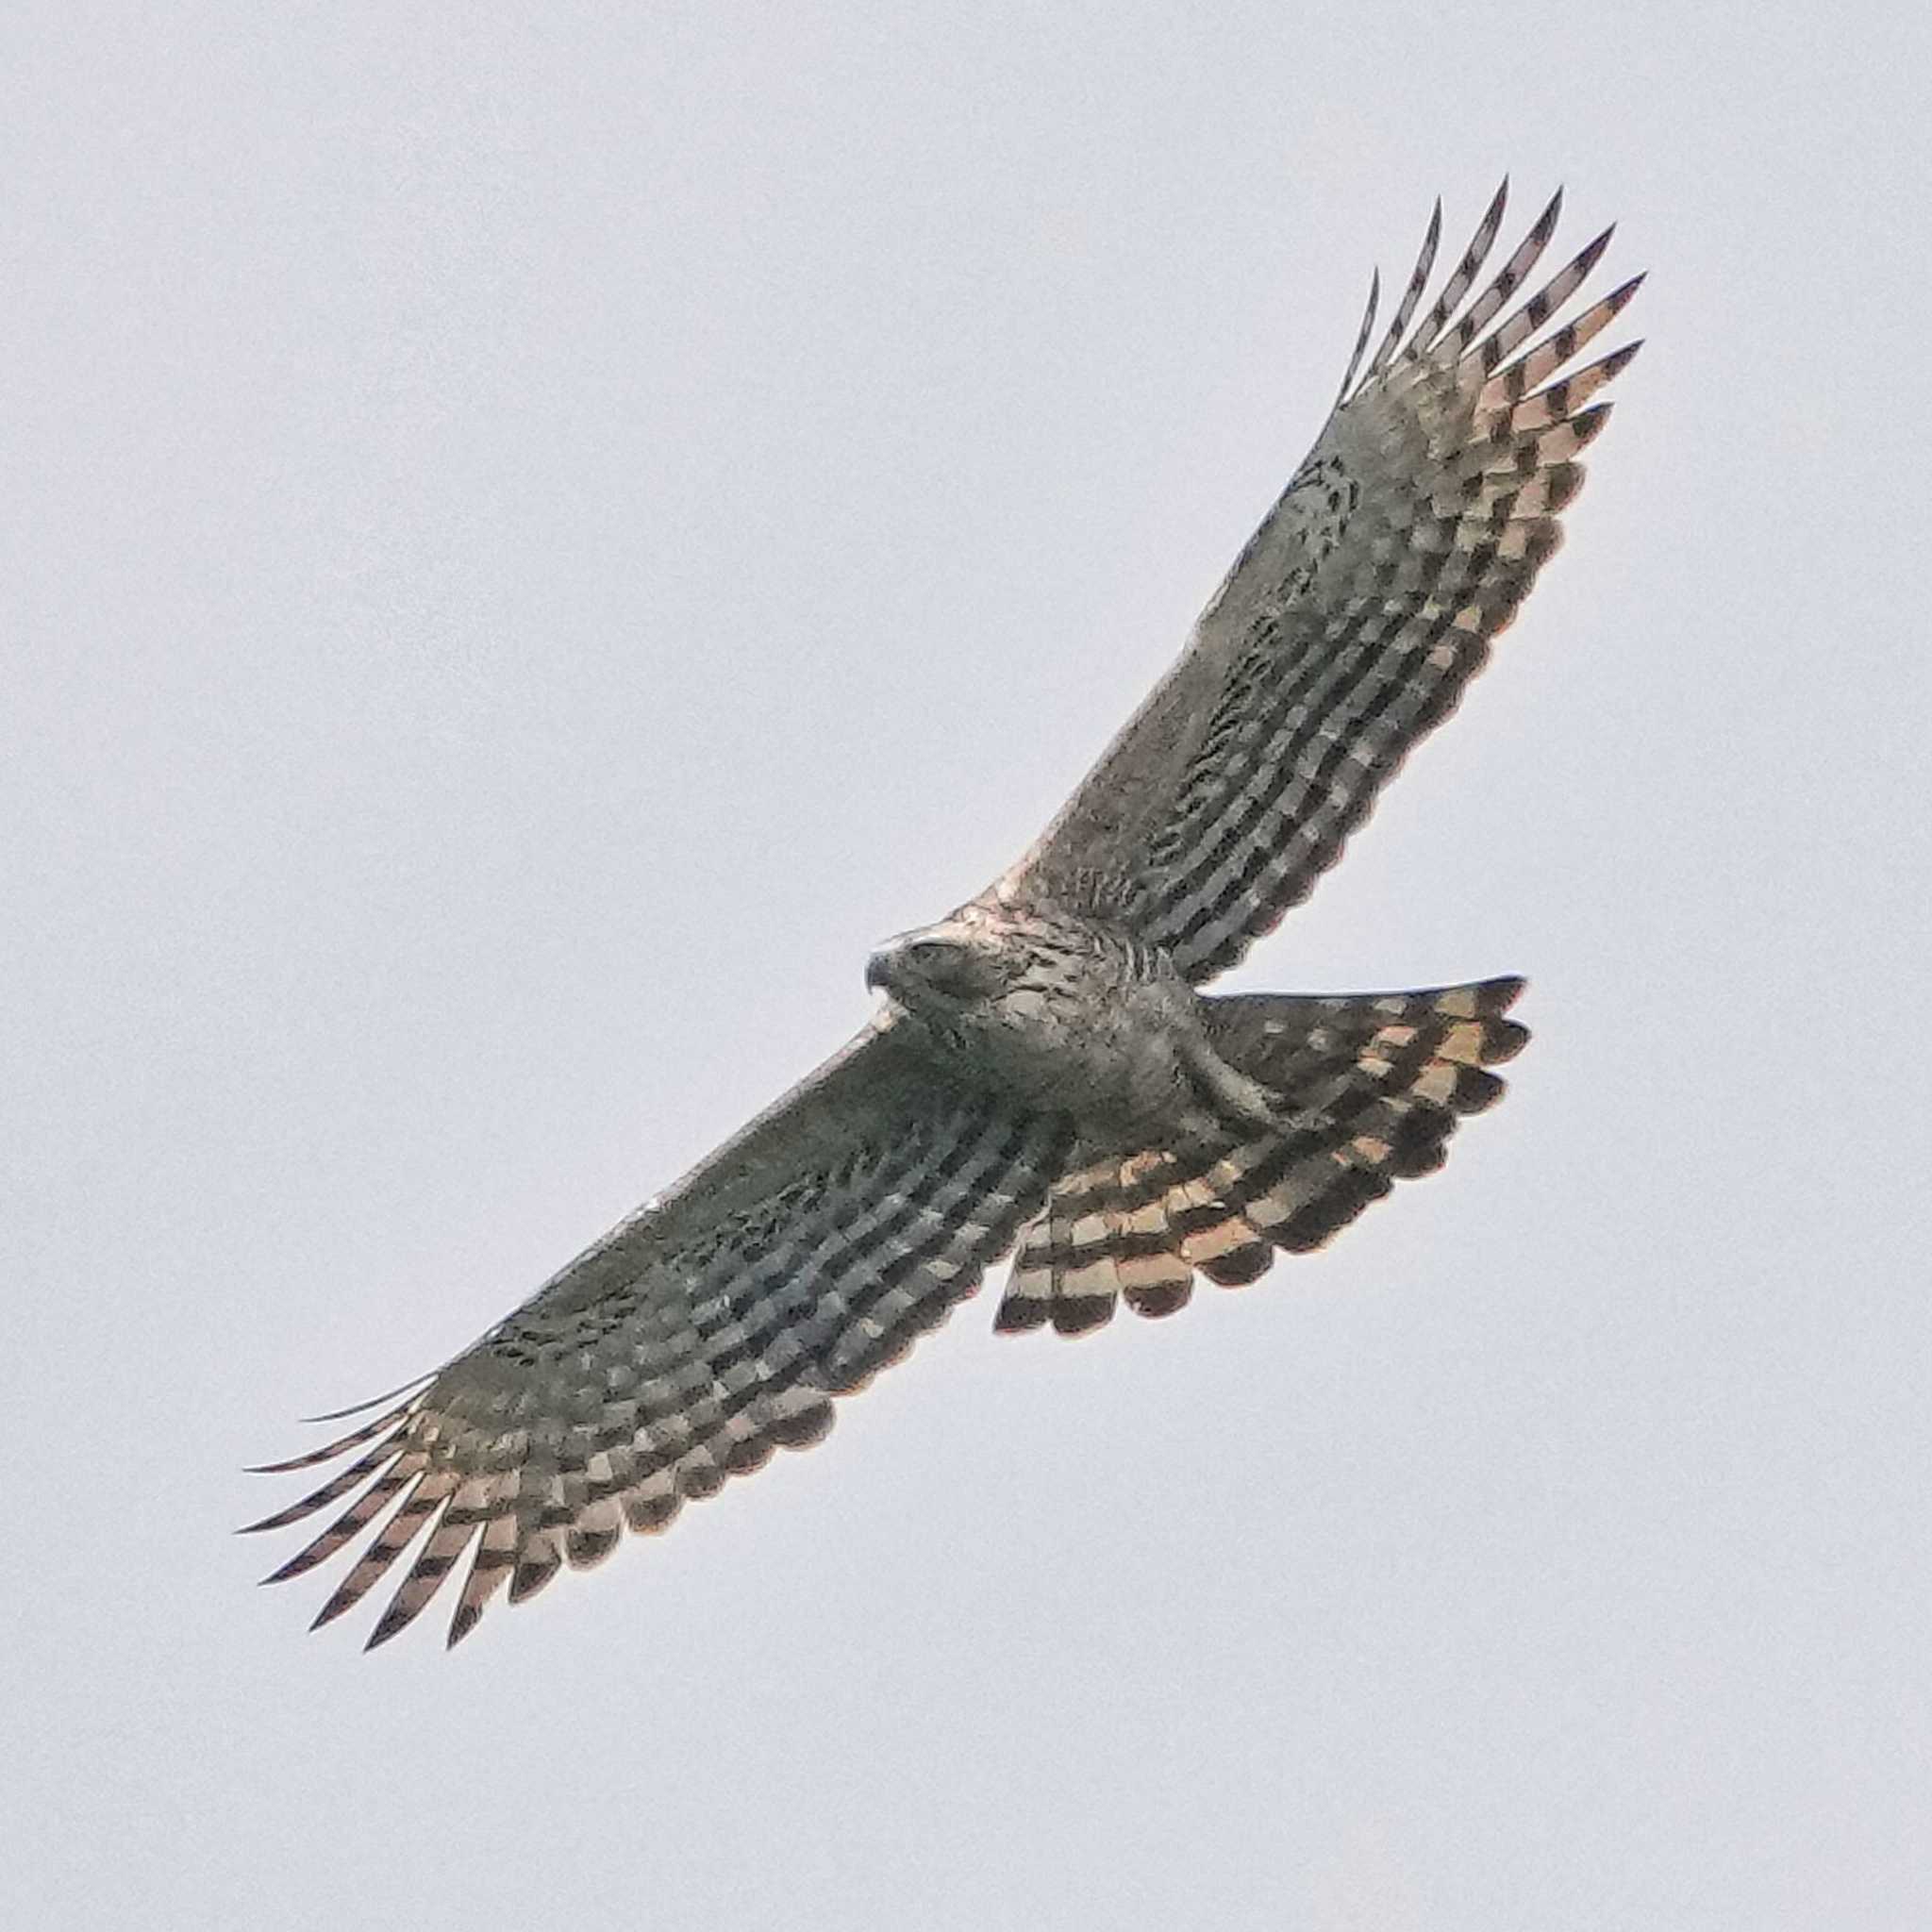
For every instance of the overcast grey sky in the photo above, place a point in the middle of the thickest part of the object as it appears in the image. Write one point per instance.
(531, 536)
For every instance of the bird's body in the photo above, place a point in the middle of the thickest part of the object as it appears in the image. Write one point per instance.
(1062, 1010)
(1044, 1074)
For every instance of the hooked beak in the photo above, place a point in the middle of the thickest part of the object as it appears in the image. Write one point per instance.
(878, 969)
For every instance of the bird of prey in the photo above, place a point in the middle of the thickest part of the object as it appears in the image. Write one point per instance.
(1043, 1073)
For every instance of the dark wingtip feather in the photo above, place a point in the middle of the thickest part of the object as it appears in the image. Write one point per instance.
(1593, 250)
(336, 1415)
(394, 1620)
(1619, 297)
(1411, 297)
(1491, 222)
(280, 1519)
(301, 1563)
(337, 1605)
(465, 1620)
(313, 1458)
(1362, 335)
(310, 1458)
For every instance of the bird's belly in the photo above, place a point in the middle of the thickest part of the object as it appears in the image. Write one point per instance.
(1124, 1085)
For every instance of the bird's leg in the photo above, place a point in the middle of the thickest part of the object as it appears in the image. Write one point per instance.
(1237, 1098)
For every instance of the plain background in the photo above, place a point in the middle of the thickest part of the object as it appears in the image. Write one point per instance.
(531, 536)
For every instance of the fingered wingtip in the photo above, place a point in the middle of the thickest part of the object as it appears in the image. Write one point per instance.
(337, 1415)
(388, 1625)
(300, 1564)
(335, 1607)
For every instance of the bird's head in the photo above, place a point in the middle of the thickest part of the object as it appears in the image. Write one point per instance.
(958, 962)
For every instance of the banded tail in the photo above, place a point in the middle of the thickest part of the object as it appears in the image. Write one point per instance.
(1369, 1085)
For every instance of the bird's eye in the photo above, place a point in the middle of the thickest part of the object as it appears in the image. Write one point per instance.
(943, 966)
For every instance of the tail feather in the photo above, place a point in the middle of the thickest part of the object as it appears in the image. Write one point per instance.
(1369, 1087)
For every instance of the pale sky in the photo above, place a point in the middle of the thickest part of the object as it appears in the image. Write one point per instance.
(532, 536)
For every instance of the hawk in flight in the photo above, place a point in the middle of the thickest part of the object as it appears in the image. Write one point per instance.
(1043, 1074)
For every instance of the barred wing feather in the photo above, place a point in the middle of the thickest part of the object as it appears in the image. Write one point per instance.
(1357, 614)
(713, 1326)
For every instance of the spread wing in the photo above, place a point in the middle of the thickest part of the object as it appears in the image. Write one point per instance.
(1359, 611)
(712, 1326)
